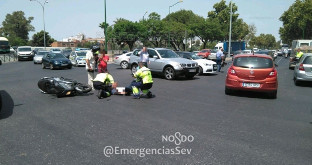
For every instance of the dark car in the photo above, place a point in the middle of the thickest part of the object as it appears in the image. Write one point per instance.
(56, 61)
(66, 52)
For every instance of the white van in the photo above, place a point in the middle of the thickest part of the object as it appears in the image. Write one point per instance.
(299, 43)
(24, 53)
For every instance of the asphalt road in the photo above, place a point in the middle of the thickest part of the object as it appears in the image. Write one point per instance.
(246, 128)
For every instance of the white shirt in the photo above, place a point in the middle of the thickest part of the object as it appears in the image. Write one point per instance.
(144, 57)
(90, 57)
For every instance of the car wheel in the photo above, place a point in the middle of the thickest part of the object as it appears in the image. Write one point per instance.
(124, 64)
(51, 66)
(228, 91)
(190, 76)
(297, 83)
(200, 72)
(134, 68)
(273, 95)
(169, 73)
(42, 65)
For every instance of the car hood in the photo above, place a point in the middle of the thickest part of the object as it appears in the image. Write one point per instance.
(60, 59)
(179, 60)
(205, 61)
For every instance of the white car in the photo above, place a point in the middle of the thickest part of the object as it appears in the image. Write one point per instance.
(39, 55)
(213, 54)
(78, 58)
(205, 66)
(55, 50)
(123, 60)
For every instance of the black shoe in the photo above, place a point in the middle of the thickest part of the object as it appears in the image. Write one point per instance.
(99, 94)
(149, 94)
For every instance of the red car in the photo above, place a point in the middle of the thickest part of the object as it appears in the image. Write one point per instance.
(252, 73)
(204, 53)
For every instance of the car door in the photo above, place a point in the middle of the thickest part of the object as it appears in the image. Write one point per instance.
(153, 61)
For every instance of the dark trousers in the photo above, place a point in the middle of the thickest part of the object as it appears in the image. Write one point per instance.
(219, 61)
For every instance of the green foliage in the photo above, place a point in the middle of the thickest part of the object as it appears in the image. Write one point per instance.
(16, 28)
(263, 41)
(297, 21)
(38, 39)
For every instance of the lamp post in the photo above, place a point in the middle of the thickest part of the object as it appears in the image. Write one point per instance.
(105, 27)
(169, 18)
(144, 15)
(230, 33)
(42, 5)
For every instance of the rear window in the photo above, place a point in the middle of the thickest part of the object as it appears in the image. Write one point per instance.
(308, 60)
(253, 62)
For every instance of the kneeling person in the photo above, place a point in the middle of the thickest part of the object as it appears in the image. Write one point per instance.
(144, 81)
(104, 82)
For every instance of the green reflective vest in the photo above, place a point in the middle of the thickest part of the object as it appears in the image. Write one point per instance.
(104, 77)
(145, 74)
(299, 54)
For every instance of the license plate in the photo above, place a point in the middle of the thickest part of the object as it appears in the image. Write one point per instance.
(64, 64)
(25, 57)
(251, 85)
(192, 70)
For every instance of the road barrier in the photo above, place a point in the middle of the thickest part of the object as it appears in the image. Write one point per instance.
(8, 57)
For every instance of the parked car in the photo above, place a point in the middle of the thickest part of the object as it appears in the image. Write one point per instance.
(166, 62)
(78, 58)
(55, 61)
(35, 51)
(204, 53)
(205, 66)
(66, 52)
(196, 52)
(213, 54)
(24, 53)
(55, 50)
(123, 60)
(252, 73)
(303, 69)
(38, 57)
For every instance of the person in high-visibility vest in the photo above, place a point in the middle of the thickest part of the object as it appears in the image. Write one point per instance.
(299, 53)
(104, 82)
(144, 82)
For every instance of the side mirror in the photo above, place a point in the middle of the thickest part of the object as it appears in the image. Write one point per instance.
(155, 56)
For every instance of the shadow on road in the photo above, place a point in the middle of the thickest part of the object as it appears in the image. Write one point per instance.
(251, 94)
(6, 105)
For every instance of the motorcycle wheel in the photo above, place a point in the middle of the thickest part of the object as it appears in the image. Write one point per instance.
(83, 88)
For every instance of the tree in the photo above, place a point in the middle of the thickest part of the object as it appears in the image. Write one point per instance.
(222, 14)
(155, 30)
(251, 33)
(297, 21)
(126, 32)
(178, 24)
(264, 41)
(37, 39)
(16, 28)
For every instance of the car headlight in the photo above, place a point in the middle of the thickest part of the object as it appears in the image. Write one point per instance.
(56, 62)
(208, 64)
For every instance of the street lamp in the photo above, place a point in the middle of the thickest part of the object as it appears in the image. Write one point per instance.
(144, 15)
(42, 5)
(169, 18)
(230, 33)
(105, 28)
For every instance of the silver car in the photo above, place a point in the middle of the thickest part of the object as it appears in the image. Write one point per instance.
(303, 69)
(39, 55)
(166, 62)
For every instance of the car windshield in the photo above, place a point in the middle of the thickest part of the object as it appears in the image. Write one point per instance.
(204, 51)
(308, 60)
(24, 49)
(56, 50)
(253, 62)
(42, 53)
(81, 54)
(214, 51)
(4, 43)
(54, 56)
(168, 54)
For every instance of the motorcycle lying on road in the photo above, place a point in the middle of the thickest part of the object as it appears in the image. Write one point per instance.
(62, 86)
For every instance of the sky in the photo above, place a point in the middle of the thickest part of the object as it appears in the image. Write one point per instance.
(66, 18)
